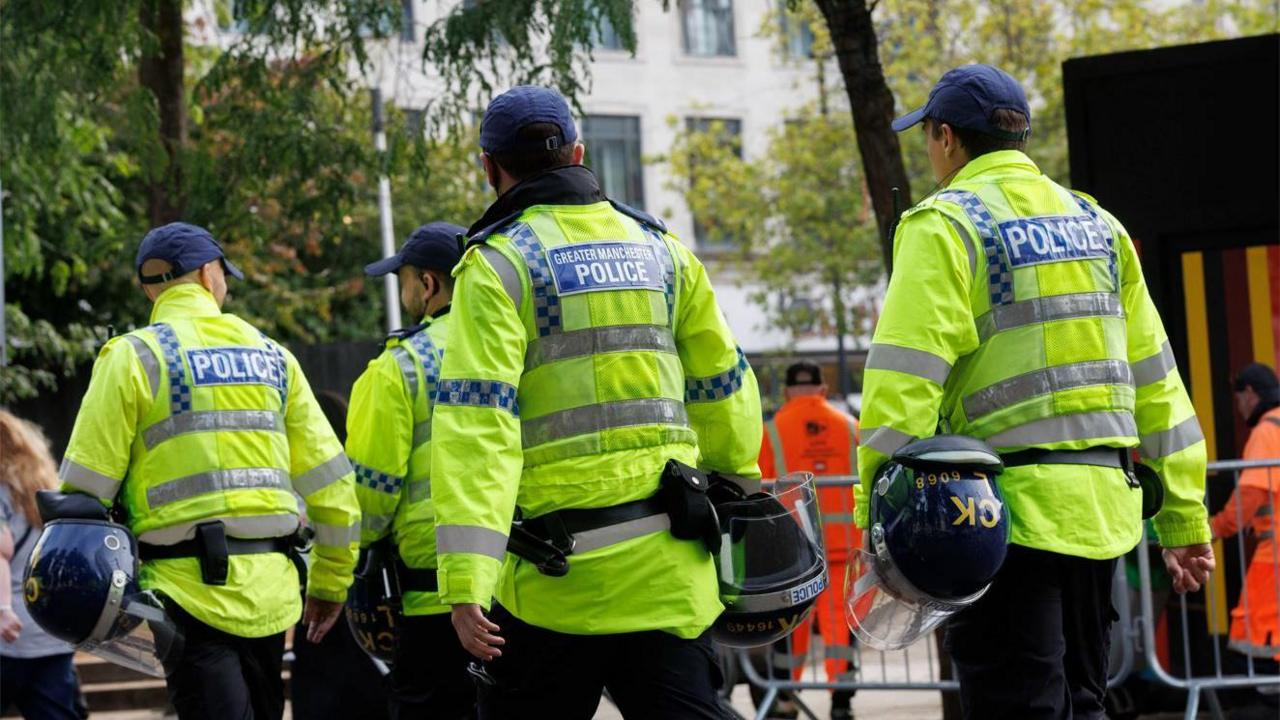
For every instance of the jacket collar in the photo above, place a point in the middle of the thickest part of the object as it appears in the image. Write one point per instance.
(186, 300)
(1000, 160)
(567, 185)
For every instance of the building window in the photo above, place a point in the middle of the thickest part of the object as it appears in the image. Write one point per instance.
(730, 131)
(798, 34)
(613, 152)
(708, 27)
(605, 36)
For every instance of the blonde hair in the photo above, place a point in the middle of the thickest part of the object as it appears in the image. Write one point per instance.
(25, 463)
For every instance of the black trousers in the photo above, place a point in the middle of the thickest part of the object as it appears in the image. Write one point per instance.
(335, 679)
(226, 677)
(1035, 646)
(429, 677)
(649, 675)
(41, 687)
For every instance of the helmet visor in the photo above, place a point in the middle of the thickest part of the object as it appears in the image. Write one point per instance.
(138, 634)
(884, 610)
(772, 545)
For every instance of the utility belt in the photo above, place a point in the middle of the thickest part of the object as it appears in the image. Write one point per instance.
(681, 506)
(415, 579)
(214, 549)
(1138, 476)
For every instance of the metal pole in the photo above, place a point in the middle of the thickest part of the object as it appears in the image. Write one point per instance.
(391, 283)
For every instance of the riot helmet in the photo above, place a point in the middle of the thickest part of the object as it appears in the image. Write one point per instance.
(373, 603)
(81, 586)
(771, 565)
(938, 532)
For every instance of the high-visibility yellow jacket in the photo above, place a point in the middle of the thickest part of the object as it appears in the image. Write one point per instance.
(587, 349)
(389, 443)
(199, 417)
(1017, 313)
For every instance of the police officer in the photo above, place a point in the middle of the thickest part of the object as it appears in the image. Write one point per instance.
(201, 429)
(587, 350)
(809, 434)
(1017, 314)
(389, 443)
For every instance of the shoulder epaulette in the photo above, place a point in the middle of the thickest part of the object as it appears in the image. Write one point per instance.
(405, 332)
(481, 236)
(639, 216)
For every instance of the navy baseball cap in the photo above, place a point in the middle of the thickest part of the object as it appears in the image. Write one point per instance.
(966, 97)
(185, 247)
(433, 246)
(520, 107)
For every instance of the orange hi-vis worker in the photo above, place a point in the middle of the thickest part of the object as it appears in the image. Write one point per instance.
(1255, 621)
(809, 434)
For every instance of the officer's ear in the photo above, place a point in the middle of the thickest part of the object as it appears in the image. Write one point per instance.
(579, 152)
(429, 282)
(491, 170)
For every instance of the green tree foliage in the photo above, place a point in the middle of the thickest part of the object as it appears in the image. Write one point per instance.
(277, 161)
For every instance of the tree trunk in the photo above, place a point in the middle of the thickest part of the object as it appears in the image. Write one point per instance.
(853, 37)
(160, 71)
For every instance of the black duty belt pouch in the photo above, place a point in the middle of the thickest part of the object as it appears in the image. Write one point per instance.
(684, 492)
(211, 540)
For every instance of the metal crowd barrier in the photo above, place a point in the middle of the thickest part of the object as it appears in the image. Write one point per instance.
(772, 671)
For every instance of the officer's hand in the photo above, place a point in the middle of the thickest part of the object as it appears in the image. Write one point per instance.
(10, 625)
(1189, 566)
(319, 617)
(476, 632)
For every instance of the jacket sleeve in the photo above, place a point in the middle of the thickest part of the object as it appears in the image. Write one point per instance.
(322, 477)
(926, 324)
(721, 395)
(1171, 441)
(379, 442)
(476, 457)
(119, 395)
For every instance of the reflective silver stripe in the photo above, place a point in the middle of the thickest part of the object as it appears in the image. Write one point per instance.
(375, 523)
(598, 340)
(908, 360)
(839, 652)
(783, 661)
(1167, 442)
(887, 440)
(337, 535)
(775, 441)
(1263, 510)
(422, 433)
(1273, 420)
(1267, 535)
(79, 476)
(322, 475)
(836, 518)
(602, 416)
(1048, 309)
(506, 272)
(150, 363)
(585, 542)
(1154, 368)
(216, 481)
(251, 527)
(471, 539)
(419, 490)
(1044, 381)
(1080, 426)
(965, 235)
(212, 421)
(408, 368)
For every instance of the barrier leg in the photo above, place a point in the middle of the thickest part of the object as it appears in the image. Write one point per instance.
(1215, 707)
(1193, 702)
(767, 703)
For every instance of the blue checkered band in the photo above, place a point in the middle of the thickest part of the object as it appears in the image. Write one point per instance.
(1092, 212)
(717, 387)
(283, 366)
(999, 275)
(179, 385)
(429, 357)
(478, 393)
(668, 271)
(546, 303)
(375, 480)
